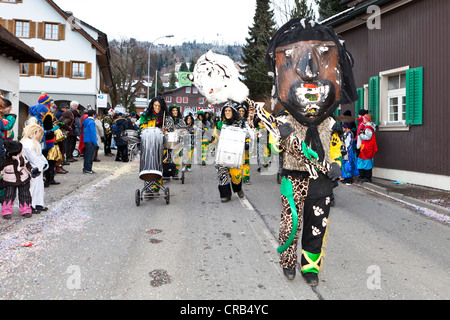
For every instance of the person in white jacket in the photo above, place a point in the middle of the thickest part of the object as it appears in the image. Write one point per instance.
(32, 150)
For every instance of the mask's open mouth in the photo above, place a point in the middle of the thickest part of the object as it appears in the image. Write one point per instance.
(311, 95)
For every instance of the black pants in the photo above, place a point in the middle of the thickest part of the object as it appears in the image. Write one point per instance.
(365, 174)
(122, 153)
(107, 143)
(71, 144)
(49, 175)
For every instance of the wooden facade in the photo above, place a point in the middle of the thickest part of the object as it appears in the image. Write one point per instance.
(413, 34)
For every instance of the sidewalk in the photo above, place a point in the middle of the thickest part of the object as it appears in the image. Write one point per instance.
(433, 199)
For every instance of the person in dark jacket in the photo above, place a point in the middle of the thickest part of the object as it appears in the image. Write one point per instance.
(120, 125)
(74, 133)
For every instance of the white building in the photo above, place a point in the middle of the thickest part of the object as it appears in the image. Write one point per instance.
(77, 65)
(13, 52)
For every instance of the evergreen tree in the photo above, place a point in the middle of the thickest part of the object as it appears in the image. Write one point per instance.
(302, 9)
(253, 53)
(328, 8)
(172, 81)
(183, 66)
(191, 65)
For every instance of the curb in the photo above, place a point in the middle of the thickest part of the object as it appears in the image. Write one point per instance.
(409, 200)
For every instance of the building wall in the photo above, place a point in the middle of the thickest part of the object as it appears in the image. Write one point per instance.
(9, 81)
(414, 35)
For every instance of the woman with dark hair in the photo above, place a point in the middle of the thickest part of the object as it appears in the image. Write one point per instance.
(229, 118)
(189, 121)
(157, 116)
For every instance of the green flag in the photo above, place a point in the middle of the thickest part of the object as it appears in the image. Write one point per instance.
(183, 81)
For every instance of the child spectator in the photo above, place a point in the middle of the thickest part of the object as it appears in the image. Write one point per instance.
(32, 136)
(16, 176)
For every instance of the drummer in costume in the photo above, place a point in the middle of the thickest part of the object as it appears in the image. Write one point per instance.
(157, 116)
(313, 75)
(178, 123)
(243, 113)
(203, 125)
(189, 121)
(229, 118)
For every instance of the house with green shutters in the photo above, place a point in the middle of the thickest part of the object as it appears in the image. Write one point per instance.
(400, 49)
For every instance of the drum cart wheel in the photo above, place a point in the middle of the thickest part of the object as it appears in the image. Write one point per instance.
(167, 195)
(138, 197)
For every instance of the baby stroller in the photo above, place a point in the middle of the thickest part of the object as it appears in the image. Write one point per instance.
(133, 139)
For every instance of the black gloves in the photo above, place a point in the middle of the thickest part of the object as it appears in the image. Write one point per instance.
(285, 130)
(35, 172)
(335, 171)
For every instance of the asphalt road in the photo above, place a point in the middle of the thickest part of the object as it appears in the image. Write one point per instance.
(95, 243)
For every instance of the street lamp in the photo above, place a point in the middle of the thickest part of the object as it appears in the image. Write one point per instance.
(148, 70)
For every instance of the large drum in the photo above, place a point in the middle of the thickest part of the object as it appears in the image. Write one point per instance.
(151, 167)
(230, 149)
(171, 140)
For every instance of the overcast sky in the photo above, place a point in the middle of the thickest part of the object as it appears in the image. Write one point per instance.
(222, 21)
(188, 20)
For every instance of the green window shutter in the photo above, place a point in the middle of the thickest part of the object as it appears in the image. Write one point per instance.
(374, 99)
(336, 112)
(414, 96)
(359, 104)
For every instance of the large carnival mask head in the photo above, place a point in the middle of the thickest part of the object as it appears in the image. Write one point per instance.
(312, 70)
(217, 78)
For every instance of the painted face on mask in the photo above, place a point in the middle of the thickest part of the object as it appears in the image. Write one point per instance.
(228, 113)
(156, 107)
(308, 76)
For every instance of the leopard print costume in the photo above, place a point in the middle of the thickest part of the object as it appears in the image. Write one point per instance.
(288, 258)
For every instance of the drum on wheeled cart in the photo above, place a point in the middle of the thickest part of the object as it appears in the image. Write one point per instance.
(151, 165)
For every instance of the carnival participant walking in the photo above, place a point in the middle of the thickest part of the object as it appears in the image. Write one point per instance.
(31, 142)
(243, 113)
(189, 120)
(177, 154)
(17, 174)
(202, 130)
(156, 116)
(230, 118)
(310, 91)
(367, 144)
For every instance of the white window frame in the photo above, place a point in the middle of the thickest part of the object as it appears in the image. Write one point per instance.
(194, 90)
(168, 99)
(185, 100)
(188, 90)
(385, 95)
(179, 99)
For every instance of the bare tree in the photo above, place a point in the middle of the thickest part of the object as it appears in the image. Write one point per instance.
(128, 65)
